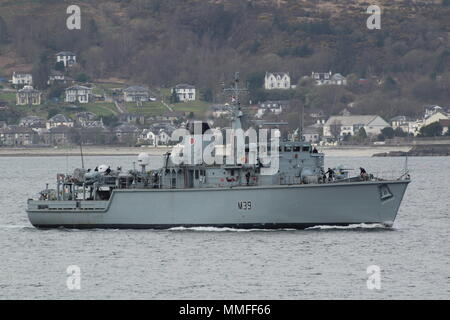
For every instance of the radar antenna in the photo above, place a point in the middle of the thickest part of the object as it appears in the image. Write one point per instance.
(235, 100)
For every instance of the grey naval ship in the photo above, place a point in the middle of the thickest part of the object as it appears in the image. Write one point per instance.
(195, 194)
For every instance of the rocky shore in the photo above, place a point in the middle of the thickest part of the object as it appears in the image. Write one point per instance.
(436, 150)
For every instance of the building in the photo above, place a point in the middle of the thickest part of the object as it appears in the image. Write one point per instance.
(407, 124)
(79, 94)
(32, 122)
(67, 58)
(136, 94)
(58, 77)
(434, 117)
(59, 120)
(127, 133)
(275, 107)
(328, 78)
(277, 80)
(311, 134)
(184, 92)
(28, 96)
(17, 136)
(21, 79)
(59, 135)
(338, 126)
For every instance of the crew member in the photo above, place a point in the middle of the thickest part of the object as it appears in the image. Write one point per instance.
(363, 174)
(247, 177)
(330, 173)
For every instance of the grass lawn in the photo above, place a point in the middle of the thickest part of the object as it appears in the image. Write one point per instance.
(9, 97)
(157, 108)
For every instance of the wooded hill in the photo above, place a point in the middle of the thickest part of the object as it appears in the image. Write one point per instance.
(164, 42)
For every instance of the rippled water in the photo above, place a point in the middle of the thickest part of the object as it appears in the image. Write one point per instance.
(208, 263)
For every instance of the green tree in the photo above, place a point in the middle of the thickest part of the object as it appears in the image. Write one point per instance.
(362, 135)
(3, 31)
(432, 130)
(387, 132)
(174, 97)
(59, 66)
(82, 77)
(207, 95)
(40, 72)
(398, 132)
(52, 112)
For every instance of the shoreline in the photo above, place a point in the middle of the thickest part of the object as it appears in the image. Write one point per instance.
(90, 151)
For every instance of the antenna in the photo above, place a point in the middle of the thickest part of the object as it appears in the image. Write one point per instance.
(81, 149)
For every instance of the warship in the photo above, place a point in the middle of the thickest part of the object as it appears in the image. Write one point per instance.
(296, 193)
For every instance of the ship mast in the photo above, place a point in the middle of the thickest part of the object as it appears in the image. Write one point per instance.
(236, 103)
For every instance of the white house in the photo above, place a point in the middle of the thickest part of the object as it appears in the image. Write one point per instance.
(22, 79)
(328, 78)
(350, 125)
(275, 107)
(28, 96)
(66, 57)
(135, 94)
(311, 134)
(59, 120)
(277, 80)
(79, 94)
(434, 117)
(58, 77)
(185, 92)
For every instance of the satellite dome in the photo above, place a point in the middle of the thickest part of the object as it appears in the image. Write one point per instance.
(143, 159)
(102, 168)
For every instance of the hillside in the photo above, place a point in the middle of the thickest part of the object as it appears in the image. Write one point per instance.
(163, 42)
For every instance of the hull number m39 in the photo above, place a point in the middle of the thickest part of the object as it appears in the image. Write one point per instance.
(244, 205)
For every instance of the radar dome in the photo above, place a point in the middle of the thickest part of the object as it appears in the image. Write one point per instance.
(102, 168)
(143, 159)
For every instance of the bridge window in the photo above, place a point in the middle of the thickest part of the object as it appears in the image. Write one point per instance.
(297, 149)
(305, 149)
(287, 149)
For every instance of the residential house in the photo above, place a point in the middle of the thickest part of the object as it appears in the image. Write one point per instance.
(17, 136)
(59, 135)
(136, 94)
(147, 137)
(32, 122)
(277, 80)
(434, 117)
(59, 120)
(28, 96)
(311, 134)
(403, 122)
(338, 126)
(58, 77)
(185, 92)
(275, 107)
(127, 133)
(66, 57)
(328, 78)
(79, 94)
(21, 79)
(432, 109)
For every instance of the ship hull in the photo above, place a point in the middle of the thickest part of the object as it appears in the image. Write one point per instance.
(268, 207)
